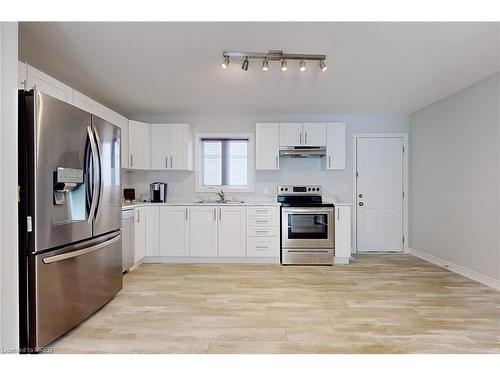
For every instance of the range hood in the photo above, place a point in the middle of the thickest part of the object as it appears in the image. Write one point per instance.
(303, 151)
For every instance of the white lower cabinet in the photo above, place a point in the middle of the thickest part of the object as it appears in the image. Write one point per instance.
(263, 236)
(203, 229)
(263, 247)
(139, 233)
(207, 231)
(342, 234)
(231, 231)
(152, 231)
(174, 231)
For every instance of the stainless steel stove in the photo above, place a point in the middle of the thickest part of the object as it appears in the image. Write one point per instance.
(307, 225)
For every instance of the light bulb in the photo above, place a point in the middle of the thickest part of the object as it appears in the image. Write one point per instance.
(265, 65)
(302, 65)
(284, 66)
(225, 62)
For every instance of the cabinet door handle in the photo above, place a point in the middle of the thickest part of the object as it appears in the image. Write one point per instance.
(305, 138)
(166, 161)
(215, 214)
(220, 214)
(329, 161)
(262, 221)
(186, 214)
(138, 216)
(171, 161)
(131, 160)
(277, 158)
(300, 138)
(261, 247)
(338, 214)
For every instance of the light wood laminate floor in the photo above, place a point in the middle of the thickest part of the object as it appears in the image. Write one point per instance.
(378, 304)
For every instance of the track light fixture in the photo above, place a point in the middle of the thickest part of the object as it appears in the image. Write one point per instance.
(265, 65)
(322, 66)
(225, 62)
(245, 64)
(273, 55)
(302, 65)
(284, 66)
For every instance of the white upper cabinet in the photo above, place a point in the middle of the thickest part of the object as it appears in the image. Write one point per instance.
(181, 147)
(335, 145)
(48, 85)
(267, 146)
(171, 147)
(314, 134)
(88, 104)
(22, 74)
(203, 229)
(138, 145)
(160, 146)
(299, 134)
(291, 134)
(174, 231)
(231, 234)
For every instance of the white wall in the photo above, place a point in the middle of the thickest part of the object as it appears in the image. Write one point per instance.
(9, 334)
(292, 171)
(454, 178)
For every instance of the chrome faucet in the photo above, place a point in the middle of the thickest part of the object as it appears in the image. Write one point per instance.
(221, 196)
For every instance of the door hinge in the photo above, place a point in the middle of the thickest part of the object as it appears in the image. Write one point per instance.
(403, 239)
(29, 226)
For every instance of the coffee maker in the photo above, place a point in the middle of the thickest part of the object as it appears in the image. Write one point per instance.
(158, 192)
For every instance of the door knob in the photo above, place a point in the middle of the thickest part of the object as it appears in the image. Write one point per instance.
(360, 203)
(360, 195)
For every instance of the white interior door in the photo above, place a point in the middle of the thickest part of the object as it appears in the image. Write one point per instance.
(379, 194)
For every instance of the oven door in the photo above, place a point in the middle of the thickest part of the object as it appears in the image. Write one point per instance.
(307, 227)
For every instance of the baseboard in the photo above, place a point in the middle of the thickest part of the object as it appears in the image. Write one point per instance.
(214, 260)
(341, 260)
(466, 272)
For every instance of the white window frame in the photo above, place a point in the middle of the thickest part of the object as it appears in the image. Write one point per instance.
(199, 187)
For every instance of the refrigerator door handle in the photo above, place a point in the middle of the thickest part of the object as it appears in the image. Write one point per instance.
(95, 192)
(99, 169)
(73, 254)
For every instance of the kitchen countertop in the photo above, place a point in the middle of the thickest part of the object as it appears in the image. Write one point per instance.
(131, 205)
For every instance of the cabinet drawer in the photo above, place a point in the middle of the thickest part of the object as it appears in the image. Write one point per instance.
(262, 210)
(263, 247)
(262, 232)
(258, 221)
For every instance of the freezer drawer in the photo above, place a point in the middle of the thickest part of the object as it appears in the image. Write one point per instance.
(71, 286)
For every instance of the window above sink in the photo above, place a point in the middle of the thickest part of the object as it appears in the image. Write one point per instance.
(224, 161)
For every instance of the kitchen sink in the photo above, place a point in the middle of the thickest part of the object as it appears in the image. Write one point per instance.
(205, 201)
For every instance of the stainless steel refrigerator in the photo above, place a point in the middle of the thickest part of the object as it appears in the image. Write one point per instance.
(70, 251)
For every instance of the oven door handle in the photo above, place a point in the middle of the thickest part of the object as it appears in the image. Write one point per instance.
(308, 210)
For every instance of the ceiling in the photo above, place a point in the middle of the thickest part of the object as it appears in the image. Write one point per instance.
(170, 69)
